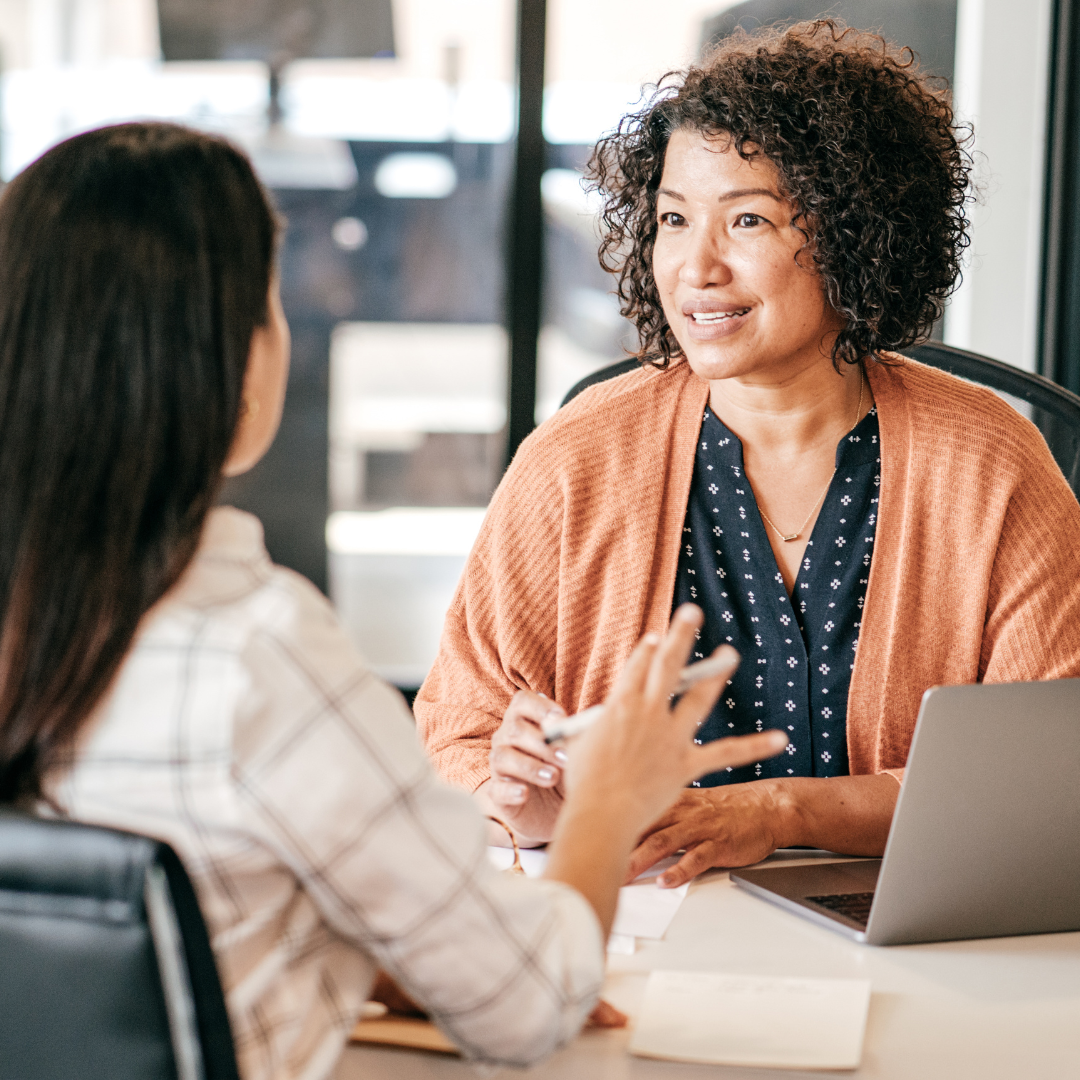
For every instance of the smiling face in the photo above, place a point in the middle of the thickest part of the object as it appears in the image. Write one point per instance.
(725, 265)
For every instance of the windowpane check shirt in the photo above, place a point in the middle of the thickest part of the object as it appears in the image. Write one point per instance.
(245, 730)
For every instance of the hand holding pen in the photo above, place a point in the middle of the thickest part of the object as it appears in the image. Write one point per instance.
(526, 787)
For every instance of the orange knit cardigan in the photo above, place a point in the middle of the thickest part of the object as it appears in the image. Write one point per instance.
(975, 575)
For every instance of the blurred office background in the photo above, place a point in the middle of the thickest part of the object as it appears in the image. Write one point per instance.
(439, 263)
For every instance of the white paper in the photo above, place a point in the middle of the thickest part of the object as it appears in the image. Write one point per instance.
(644, 910)
(751, 1020)
(621, 944)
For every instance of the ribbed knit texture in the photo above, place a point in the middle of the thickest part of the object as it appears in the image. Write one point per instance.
(975, 575)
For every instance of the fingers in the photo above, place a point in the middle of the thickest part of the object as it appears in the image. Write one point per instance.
(635, 671)
(674, 813)
(671, 656)
(521, 726)
(737, 750)
(696, 861)
(695, 704)
(606, 1015)
(507, 794)
(521, 730)
(510, 763)
(651, 850)
(531, 706)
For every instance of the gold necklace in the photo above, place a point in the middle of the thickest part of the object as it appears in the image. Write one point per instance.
(787, 538)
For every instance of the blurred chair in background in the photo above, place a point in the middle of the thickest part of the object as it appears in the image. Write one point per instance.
(1055, 410)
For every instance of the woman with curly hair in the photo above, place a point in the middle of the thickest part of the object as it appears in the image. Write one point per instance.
(780, 218)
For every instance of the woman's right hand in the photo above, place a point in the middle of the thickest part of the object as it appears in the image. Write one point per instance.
(628, 767)
(525, 790)
(642, 751)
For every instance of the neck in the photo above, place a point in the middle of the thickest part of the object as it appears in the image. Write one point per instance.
(789, 414)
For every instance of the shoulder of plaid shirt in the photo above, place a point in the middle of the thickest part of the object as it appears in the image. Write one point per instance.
(245, 729)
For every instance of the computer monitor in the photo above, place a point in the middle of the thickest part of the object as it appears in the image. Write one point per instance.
(275, 31)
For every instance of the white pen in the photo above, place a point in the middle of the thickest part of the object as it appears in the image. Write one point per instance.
(555, 730)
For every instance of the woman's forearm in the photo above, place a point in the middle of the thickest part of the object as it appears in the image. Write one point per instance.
(590, 851)
(741, 824)
(849, 814)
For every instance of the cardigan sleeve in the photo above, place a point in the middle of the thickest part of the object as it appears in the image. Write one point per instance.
(501, 630)
(1032, 629)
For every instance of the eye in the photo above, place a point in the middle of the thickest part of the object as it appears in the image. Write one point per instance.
(672, 219)
(748, 221)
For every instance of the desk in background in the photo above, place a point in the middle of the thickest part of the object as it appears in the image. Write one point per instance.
(998, 1009)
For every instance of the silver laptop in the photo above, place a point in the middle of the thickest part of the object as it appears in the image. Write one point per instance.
(985, 841)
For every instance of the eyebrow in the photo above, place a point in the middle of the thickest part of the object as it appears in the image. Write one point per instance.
(740, 193)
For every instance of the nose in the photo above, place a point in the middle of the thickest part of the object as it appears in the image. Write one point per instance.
(704, 262)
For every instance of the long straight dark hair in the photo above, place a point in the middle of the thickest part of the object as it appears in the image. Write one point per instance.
(135, 263)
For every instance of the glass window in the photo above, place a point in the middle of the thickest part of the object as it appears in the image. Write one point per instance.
(394, 172)
(598, 61)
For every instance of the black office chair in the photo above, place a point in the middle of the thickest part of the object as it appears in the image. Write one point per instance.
(106, 971)
(1055, 410)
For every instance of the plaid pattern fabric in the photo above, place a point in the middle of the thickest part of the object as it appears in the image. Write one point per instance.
(245, 730)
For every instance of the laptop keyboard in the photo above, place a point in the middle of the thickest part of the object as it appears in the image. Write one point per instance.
(852, 905)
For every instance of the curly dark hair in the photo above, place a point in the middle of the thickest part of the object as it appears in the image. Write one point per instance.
(867, 149)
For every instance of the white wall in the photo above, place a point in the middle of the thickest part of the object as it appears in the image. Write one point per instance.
(1001, 86)
(36, 33)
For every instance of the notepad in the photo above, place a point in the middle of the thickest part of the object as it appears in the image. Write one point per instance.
(409, 1032)
(775, 1023)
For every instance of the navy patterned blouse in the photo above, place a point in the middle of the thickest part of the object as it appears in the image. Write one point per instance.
(797, 652)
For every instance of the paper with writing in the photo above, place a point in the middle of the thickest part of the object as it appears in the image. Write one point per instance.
(778, 1023)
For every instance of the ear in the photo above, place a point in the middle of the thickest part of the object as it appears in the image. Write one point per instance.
(265, 378)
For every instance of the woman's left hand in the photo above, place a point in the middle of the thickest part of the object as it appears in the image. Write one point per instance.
(734, 825)
(741, 824)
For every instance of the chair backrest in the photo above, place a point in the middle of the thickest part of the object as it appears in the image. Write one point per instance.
(620, 367)
(1054, 410)
(106, 970)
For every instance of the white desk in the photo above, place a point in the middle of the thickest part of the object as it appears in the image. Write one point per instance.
(1001, 1009)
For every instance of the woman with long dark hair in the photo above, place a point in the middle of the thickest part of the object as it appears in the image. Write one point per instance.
(158, 673)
